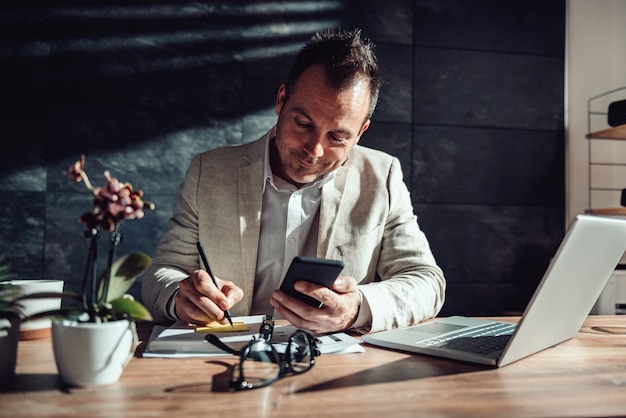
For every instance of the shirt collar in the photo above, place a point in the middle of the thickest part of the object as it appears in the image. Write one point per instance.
(267, 169)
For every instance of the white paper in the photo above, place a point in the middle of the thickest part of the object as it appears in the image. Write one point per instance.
(180, 340)
(331, 343)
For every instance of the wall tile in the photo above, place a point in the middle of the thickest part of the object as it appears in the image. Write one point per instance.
(488, 166)
(24, 57)
(22, 232)
(483, 247)
(492, 25)
(23, 156)
(473, 88)
(484, 299)
(256, 125)
(394, 139)
(151, 55)
(395, 99)
(149, 148)
(388, 23)
(262, 79)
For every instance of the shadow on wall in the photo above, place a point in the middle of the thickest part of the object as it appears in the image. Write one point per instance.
(114, 74)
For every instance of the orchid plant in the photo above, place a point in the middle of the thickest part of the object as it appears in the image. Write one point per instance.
(112, 204)
(103, 297)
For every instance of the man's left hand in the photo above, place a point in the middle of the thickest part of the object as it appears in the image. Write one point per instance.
(339, 311)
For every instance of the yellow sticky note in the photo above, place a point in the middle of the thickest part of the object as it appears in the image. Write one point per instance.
(217, 327)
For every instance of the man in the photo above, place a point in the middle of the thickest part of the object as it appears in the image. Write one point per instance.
(305, 188)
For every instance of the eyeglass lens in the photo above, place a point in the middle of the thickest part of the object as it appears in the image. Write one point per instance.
(299, 352)
(260, 364)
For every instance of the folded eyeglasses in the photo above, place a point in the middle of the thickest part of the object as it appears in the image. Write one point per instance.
(260, 364)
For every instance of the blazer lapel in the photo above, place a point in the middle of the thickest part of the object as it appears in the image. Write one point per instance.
(330, 212)
(250, 206)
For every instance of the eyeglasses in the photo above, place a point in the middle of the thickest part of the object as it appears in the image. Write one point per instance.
(260, 364)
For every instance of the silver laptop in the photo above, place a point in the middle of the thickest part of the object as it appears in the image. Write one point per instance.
(583, 264)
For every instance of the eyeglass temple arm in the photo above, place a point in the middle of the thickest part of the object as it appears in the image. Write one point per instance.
(213, 339)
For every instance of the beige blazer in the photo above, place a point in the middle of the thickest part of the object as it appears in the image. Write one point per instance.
(366, 220)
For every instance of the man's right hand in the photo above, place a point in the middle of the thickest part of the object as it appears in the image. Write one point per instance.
(199, 301)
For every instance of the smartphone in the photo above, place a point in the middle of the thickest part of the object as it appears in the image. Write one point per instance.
(316, 270)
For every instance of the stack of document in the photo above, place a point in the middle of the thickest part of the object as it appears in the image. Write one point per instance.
(183, 340)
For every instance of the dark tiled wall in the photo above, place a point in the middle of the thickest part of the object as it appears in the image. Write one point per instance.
(472, 105)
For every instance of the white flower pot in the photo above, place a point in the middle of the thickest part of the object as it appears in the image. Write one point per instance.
(37, 328)
(92, 354)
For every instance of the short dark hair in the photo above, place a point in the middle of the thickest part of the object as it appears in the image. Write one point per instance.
(345, 57)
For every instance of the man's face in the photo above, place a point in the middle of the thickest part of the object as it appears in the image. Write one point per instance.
(317, 126)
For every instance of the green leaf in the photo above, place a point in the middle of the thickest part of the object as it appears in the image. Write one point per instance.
(125, 269)
(132, 308)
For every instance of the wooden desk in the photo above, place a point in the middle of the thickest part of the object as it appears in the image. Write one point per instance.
(585, 376)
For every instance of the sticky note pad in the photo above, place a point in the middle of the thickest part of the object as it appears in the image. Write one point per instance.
(217, 327)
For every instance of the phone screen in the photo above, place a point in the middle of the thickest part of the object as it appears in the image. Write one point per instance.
(316, 270)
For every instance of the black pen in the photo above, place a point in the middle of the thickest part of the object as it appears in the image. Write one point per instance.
(207, 266)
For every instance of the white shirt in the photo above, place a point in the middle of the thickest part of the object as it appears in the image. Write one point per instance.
(289, 228)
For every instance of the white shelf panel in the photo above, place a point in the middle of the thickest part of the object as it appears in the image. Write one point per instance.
(605, 199)
(608, 152)
(608, 177)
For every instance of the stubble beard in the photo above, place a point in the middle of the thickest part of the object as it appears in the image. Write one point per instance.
(290, 160)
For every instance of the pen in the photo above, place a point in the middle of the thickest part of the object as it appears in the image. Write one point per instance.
(207, 266)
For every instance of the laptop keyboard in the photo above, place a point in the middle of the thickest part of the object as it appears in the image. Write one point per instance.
(484, 339)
